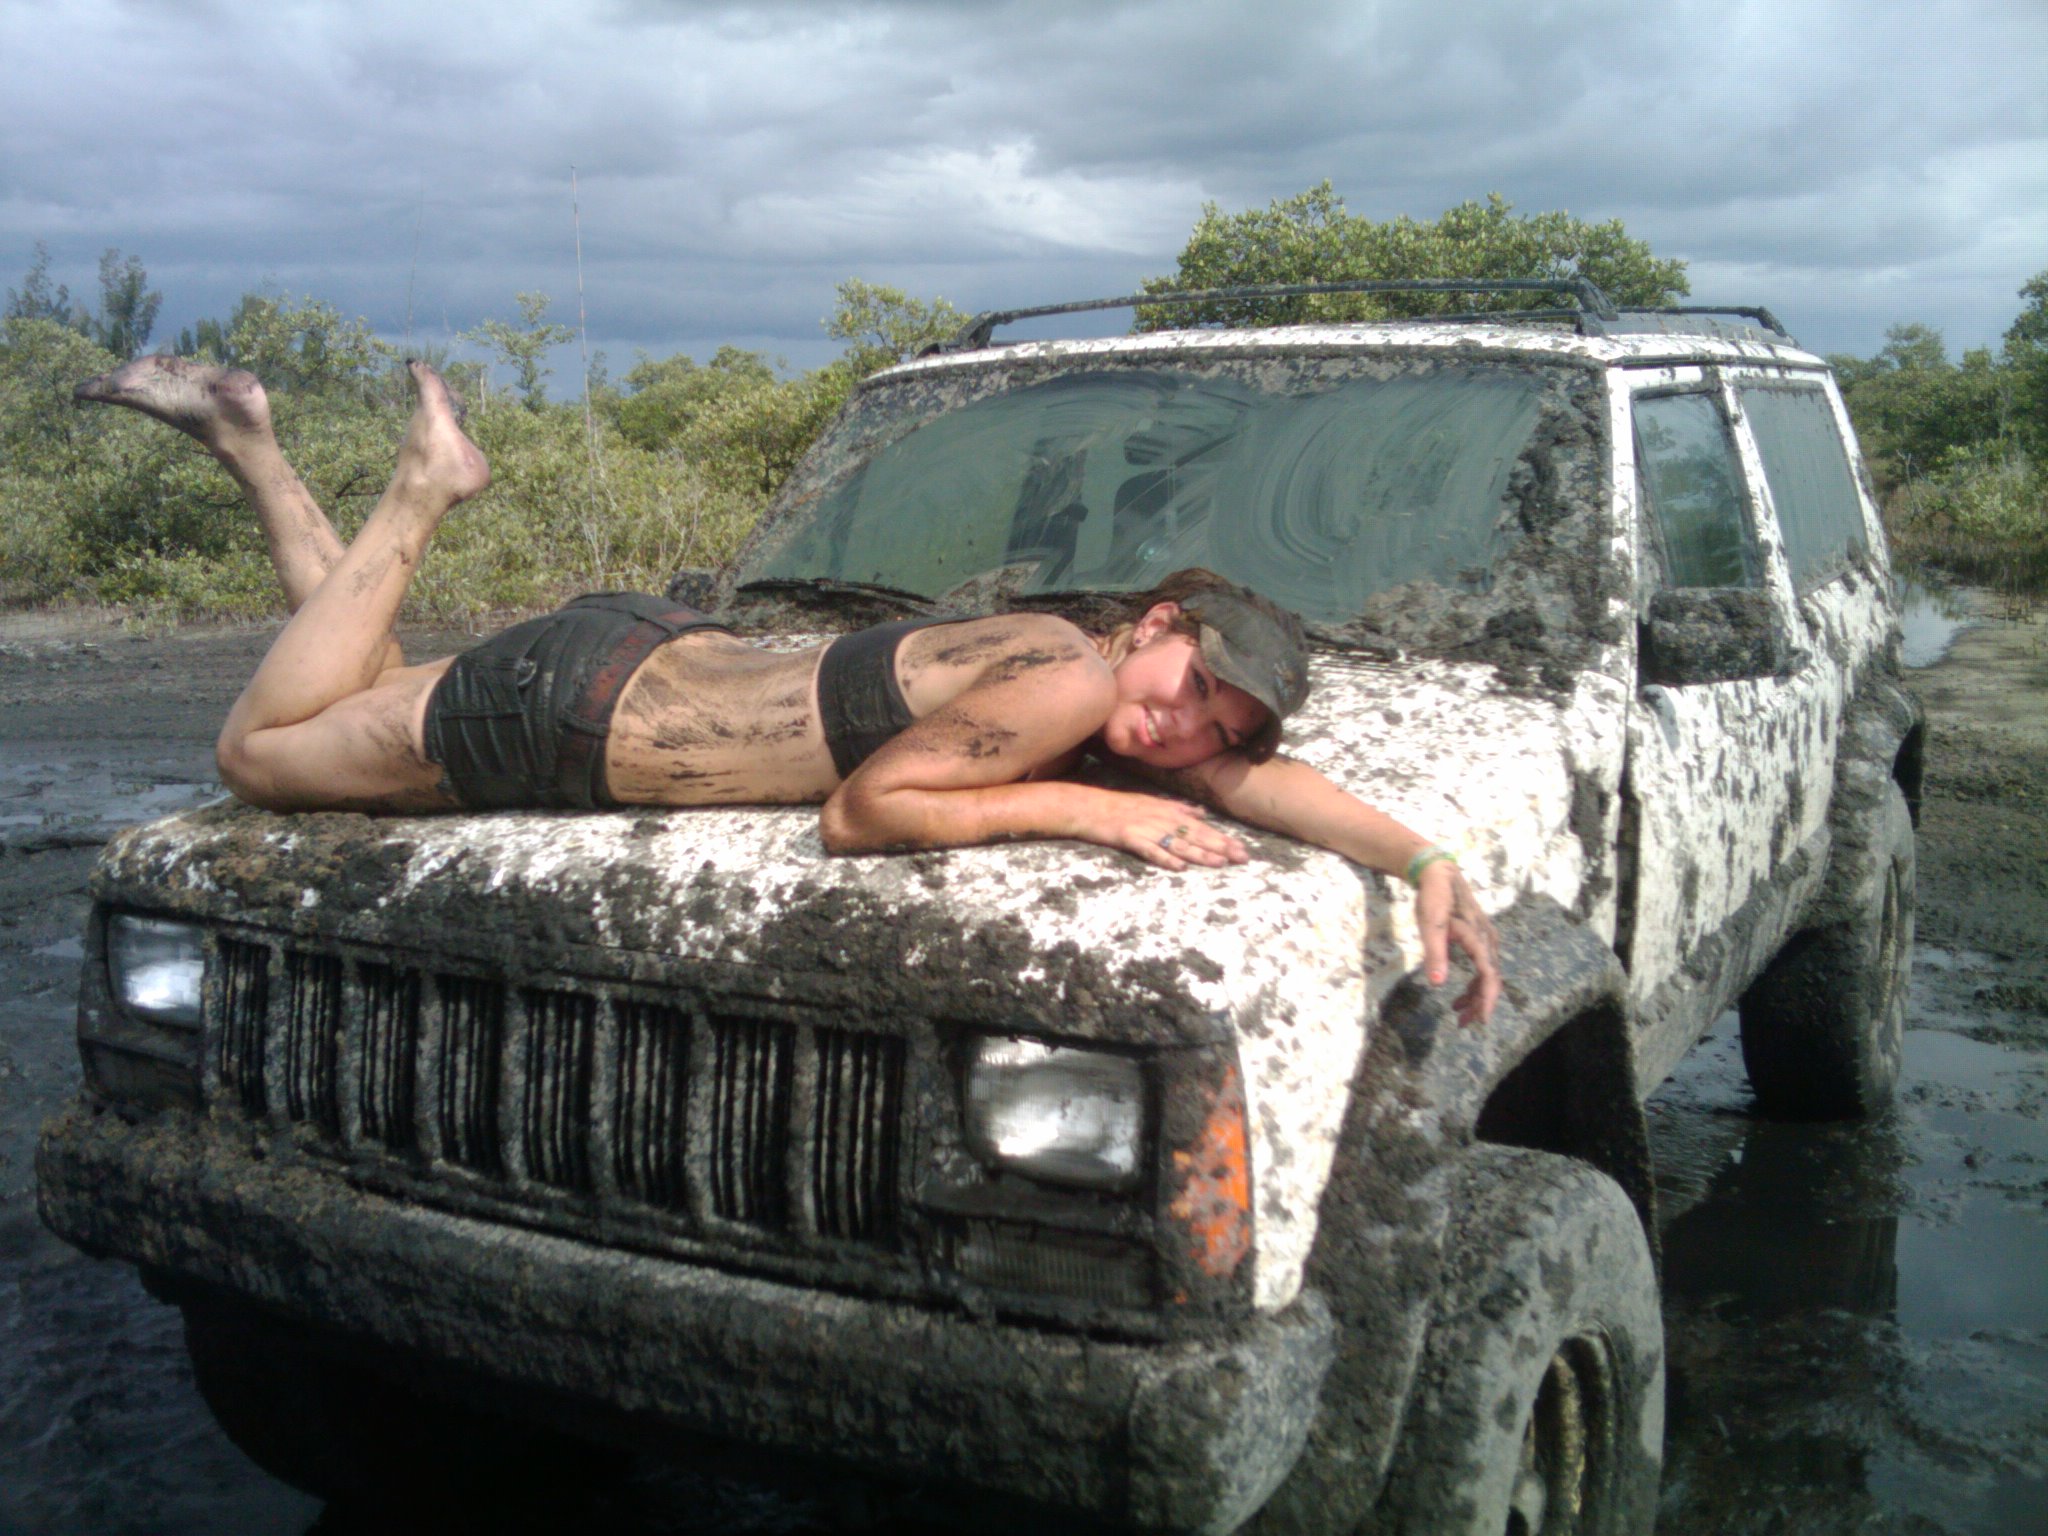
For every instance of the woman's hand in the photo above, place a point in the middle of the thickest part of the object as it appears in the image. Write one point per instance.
(1295, 799)
(1447, 912)
(1169, 833)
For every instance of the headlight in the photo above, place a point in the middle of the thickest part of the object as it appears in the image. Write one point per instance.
(156, 968)
(1056, 1113)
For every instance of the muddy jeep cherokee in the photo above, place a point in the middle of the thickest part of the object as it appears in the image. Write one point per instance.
(1167, 1202)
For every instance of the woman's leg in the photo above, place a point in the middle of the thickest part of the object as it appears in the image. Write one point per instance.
(226, 411)
(316, 726)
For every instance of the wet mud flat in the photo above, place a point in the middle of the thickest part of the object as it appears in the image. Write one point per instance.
(1857, 1316)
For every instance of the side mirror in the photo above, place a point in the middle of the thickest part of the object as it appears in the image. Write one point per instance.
(693, 586)
(1711, 635)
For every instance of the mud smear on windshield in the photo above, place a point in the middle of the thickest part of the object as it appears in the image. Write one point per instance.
(1539, 595)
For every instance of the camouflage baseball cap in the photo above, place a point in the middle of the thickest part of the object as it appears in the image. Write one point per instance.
(1254, 644)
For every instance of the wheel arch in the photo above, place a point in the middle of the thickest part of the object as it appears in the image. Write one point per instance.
(1555, 1069)
(1574, 1095)
(1909, 766)
(1883, 742)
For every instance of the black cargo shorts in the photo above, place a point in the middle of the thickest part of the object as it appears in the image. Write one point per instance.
(521, 720)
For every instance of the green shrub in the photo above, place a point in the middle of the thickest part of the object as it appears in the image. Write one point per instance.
(1981, 517)
(39, 559)
(549, 527)
(103, 506)
(566, 515)
(184, 585)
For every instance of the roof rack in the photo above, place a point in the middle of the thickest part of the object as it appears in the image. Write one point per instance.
(1591, 311)
(1646, 319)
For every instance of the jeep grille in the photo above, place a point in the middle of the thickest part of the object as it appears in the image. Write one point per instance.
(576, 1104)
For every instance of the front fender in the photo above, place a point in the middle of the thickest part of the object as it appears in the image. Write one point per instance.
(1553, 1069)
(1882, 743)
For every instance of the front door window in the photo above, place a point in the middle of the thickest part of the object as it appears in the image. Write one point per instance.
(1692, 482)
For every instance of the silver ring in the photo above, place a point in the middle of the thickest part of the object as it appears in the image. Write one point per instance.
(1167, 841)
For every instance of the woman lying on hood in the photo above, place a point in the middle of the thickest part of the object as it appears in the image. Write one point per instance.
(926, 734)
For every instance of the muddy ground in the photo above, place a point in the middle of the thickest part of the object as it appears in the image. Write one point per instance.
(1857, 1316)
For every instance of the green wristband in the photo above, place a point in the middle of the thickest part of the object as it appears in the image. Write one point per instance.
(1430, 855)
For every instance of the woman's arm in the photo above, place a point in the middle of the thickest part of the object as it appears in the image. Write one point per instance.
(953, 779)
(1293, 798)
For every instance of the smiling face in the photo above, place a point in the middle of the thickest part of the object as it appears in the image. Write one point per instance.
(1171, 710)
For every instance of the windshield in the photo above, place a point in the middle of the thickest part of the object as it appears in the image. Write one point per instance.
(1321, 483)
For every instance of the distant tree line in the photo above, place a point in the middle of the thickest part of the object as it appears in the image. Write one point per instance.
(1959, 449)
(669, 468)
(124, 318)
(673, 464)
(1312, 238)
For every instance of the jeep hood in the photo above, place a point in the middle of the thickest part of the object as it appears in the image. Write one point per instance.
(1287, 953)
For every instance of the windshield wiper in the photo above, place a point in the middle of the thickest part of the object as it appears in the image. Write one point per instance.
(1355, 635)
(832, 586)
(1053, 597)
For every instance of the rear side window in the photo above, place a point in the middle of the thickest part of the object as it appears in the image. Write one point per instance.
(1692, 483)
(1811, 483)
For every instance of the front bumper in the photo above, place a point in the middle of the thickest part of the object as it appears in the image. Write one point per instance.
(1190, 1436)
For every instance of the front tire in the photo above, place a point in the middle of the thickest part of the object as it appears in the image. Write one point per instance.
(1538, 1406)
(1823, 1028)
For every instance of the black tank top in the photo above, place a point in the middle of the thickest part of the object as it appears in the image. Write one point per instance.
(860, 703)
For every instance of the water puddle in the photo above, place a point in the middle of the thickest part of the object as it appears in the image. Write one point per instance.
(46, 795)
(1855, 1314)
(99, 1414)
(1929, 621)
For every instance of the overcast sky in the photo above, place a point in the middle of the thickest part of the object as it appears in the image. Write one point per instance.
(1850, 163)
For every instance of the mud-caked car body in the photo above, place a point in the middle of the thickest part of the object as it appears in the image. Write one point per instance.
(1171, 1201)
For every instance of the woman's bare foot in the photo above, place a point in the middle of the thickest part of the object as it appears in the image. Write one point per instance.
(222, 407)
(437, 462)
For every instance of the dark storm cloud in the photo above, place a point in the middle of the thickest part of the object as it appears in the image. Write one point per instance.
(1853, 165)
